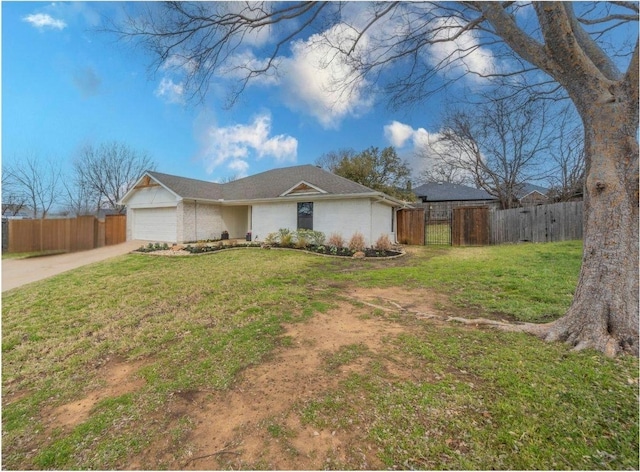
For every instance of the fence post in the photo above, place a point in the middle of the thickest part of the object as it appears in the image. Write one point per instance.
(5, 235)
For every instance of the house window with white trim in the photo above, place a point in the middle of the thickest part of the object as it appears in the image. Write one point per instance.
(305, 215)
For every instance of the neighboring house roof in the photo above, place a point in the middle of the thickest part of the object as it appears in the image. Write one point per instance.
(529, 189)
(444, 192)
(272, 184)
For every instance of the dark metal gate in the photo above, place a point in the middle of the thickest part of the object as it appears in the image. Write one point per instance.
(437, 227)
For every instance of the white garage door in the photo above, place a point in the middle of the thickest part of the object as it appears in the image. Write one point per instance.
(155, 224)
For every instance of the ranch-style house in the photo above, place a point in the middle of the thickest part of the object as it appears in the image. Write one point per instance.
(172, 209)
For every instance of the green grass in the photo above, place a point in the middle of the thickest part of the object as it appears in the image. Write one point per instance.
(485, 400)
(529, 282)
(435, 234)
(200, 320)
(28, 255)
(475, 399)
(345, 355)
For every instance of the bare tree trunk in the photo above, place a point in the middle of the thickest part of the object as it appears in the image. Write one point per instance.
(604, 312)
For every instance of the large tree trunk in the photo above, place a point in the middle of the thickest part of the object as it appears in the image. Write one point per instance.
(604, 312)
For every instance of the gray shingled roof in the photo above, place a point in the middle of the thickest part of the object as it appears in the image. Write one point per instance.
(189, 188)
(275, 182)
(269, 184)
(435, 192)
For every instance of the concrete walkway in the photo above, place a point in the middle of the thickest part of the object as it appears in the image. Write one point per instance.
(18, 272)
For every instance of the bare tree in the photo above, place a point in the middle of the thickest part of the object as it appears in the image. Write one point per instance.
(500, 145)
(13, 200)
(567, 175)
(104, 174)
(80, 197)
(35, 183)
(541, 46)
(439, 171)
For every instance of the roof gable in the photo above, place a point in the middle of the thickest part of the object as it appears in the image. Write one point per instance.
(303, 188)
(527, 189)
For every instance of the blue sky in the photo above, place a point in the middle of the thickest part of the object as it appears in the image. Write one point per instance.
(64, 85)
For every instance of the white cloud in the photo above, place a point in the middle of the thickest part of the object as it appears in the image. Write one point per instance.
(420, 148)
(398, 134)
(417, 146)
(319, 82)
(170, 91)
(237, 143)
(458, 55)
(252, 11)
(43, 21)
(177, 62)
(240, 167)
(313, 80)
(238, 65)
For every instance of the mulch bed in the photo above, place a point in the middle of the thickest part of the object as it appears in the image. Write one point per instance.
(208, 248)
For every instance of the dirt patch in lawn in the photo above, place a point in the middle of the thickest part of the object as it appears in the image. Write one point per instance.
(257, 423)
(116, 378)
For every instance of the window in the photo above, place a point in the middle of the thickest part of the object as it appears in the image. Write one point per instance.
(305, 215)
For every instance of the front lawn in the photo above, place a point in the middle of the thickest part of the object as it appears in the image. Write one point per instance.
(194, 335)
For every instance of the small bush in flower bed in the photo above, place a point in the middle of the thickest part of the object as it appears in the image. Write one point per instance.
(202, 248)
(151, 247)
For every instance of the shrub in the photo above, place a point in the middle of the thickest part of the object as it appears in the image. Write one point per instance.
(286, 239)
(271, 239)
(356, 243)
(283, 232)
(315, 238)
(301, 241)
(336, 240)
(383, 243)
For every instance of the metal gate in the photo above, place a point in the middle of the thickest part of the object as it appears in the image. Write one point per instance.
(437, 227)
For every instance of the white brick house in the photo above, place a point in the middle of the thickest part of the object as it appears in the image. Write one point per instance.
(167, 208)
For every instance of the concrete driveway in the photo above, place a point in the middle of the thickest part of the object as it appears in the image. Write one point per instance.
(18, 272)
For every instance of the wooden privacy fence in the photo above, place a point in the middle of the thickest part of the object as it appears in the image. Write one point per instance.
(411, 226)
(67, 234)
(537, 224)
(478, 226)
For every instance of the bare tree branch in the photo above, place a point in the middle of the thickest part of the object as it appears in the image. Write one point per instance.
(105, 173)
(37, 182)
